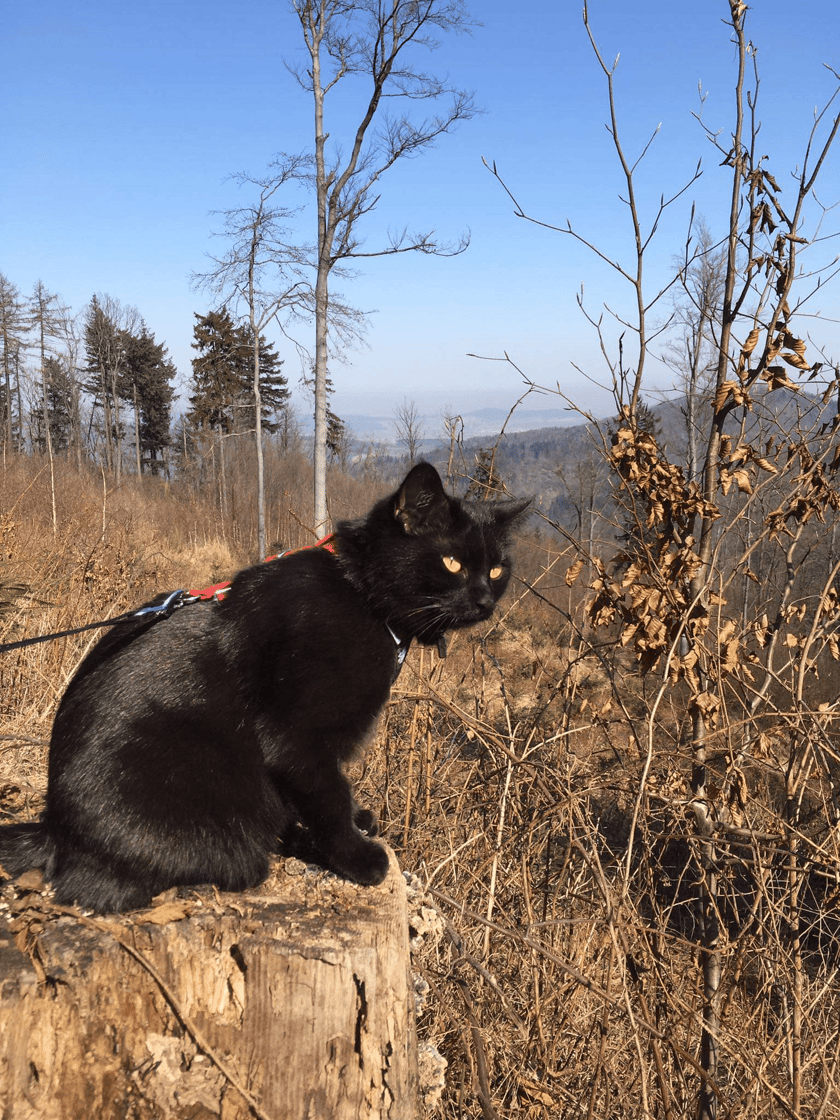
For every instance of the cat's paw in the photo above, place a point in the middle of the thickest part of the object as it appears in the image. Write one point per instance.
(365, 821)
(366, 862)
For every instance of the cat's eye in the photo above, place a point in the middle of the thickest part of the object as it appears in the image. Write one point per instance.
(451, 564)
(495, 573)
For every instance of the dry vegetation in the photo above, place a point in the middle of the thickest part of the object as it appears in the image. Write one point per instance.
(624, 795)
(513, 778)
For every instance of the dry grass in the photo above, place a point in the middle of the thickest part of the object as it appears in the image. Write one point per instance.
(512, 778)
(568, 983)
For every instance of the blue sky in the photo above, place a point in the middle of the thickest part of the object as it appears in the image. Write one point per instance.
(124, 122)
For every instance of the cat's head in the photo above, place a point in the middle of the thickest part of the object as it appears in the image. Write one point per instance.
(436, 562)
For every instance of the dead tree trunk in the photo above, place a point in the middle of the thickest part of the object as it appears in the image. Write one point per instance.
(291, 1002)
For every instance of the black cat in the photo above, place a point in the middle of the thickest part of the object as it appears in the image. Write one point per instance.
(187, 749)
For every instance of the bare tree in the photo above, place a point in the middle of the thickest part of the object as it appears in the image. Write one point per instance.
(266, 272)
(372, 41)
(668, 598)
(692, 353)
(49, 319)
(410, 431)
(453, 427)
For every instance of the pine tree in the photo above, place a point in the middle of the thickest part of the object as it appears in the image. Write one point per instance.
(216, 371)
(57, 390)
(336, 437)
(274, 391)
(105, 354)
(485, 481)
(48, 318)
(146, 388)
(13, 326)
(223, 394)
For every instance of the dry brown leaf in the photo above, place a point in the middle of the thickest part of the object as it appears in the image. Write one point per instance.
(535, 1092)
(744, 483)
(728, 389)
(750, 344)
(761, 745)
(795, 344)
(738, 797)
(732, 655)
(628, 634)
(795, 360)
(165, 913)
(726, 631)
(707, 702)
(766, 465)
(573, 571)
(32, 880)
(632, 574)
(776, 377)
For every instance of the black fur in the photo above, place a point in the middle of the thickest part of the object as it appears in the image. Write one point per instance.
(184, 749)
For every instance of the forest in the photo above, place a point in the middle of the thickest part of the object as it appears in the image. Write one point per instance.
(98, 387)
(623, 793)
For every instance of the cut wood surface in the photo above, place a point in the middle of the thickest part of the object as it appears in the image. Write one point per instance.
(290, 1002)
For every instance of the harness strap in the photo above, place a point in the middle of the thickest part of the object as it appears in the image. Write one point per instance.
(218, 591)
(214, 593)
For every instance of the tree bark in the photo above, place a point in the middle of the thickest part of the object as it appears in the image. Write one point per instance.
(291, 1001)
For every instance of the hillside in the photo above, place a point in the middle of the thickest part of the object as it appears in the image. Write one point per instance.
(538, 781)
(563, 466)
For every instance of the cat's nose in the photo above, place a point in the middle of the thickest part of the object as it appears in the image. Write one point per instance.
(483, 599)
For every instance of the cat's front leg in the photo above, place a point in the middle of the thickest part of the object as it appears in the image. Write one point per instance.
(362, 860)
(325, 803)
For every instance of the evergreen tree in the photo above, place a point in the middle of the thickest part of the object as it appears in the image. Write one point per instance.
(105, 354)
(146, 388)
(336, 436)
(58, 393)
(485, 481)
(49, 321)
(223, 394)
(217, 371)
(13, 326)
(274, 391)
(185, 446)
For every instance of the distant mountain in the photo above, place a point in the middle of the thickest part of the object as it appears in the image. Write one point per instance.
(564, 466)
(481, 423)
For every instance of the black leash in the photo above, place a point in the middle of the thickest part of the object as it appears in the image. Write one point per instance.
(209, 594)
(164, 610)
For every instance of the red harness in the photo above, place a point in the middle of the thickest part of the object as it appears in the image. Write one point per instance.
(219, 590)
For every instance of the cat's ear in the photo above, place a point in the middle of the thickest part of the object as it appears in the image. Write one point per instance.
(422, 505)
(512, 512)
(509, 515)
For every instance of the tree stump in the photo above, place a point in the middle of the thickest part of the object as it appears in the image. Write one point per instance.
(290, 1002)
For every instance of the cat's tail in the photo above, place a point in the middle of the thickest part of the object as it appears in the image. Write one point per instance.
(25, 846)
